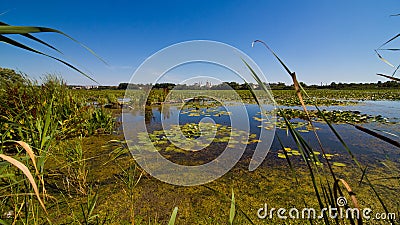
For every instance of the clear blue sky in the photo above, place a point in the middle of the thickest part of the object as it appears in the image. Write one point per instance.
(323, 41)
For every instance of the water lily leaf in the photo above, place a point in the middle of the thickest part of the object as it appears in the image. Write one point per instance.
(295, 152)
(281, 155)
(328, 156)
(338, 164)
(318, 163)
(288, 149)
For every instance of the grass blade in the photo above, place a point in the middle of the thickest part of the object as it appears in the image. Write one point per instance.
(390, 77)
(383, 59)
(292, 74)
(276, 56)
(373, 133)
(35, 39)
(352, 196)
(19, 45)
(27, 173)
(7, 29)
(30, 152)
(391, 39)
(232, 210)
(173, 216)
(394, 72)
(236, 206)
(390, 49)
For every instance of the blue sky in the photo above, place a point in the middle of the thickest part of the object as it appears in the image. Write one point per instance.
(323, 41)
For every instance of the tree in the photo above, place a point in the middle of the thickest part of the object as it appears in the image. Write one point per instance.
(9, 76)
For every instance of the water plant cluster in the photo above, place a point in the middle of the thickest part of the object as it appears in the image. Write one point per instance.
(213, 112)
(334, 116)
(192, 137)
(288, 152)
(322, 97)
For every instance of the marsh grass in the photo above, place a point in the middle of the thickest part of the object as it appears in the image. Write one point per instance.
(322, 186)
(76, 168)
(130, 179)
(41, 115)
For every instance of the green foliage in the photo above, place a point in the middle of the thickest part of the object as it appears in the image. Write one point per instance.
(100, 121)
(42, 114)
(37, 113)
(10, 77)
(75, 178)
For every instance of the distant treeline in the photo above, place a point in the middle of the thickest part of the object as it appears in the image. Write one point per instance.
(273, 86)
(11, 75)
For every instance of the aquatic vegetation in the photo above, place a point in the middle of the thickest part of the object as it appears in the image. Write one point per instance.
(334, 116)
(194, 137)
(293, 152)
(208, 111)
(335, 97)
(322, 97)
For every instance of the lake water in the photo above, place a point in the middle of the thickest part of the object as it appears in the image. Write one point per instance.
(367, 149)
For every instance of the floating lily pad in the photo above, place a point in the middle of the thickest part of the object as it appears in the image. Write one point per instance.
(338, 164)
(173, 140)
(295, 152)
(328, 156)
(318, 163)
(281, 155)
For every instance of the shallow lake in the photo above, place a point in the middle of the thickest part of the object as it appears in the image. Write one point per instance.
(366, 148)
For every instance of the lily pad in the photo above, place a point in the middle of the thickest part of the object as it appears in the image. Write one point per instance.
(295, 152)
(338, 164)
(281, 155)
